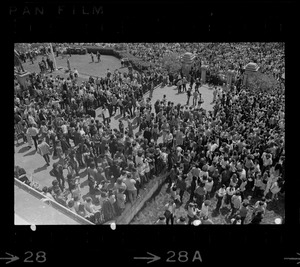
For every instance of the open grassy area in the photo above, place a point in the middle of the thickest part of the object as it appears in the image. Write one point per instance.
(82, 63)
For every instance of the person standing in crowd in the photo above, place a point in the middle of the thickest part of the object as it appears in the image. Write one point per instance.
(81, 210)
(170, 211)
(92, 173)
(98, 56)
(57, 172)
(92, 56)
(33, 132)
(220, 195)
(200, 193)
(184, 83)
(106, 115)
(28, 137)
(191, 212)
(181, 184)
(195, 97)
(70, 179)
(260, 207)
(243, 212)
(44, 150)
(121, 199)
(73, 164)
(31, 58)
(69, 65)
(204, 208)
(214, 94)
(208, 186)
(77, 202)
(188, 93)
(130, 187)
(236, 201)
(179, 86)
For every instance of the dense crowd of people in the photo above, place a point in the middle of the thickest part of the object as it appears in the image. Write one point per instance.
(232, 154)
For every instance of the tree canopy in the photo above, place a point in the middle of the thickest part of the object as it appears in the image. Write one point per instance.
(262, 81)
(26, 47)
(171, 63)
(22, 47)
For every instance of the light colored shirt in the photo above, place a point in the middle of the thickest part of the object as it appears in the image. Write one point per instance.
(209, 185)
(138, 160)
(147, 167)
(171, 208)
(31, 119)
(130, 184)
(43, 148)
(243, 186)
(213, 147)
(243, 174)
(32, 131)
(105, 112)
(266, 161)
(196, 172)
(204, 210)
(89, 207)
(236, 201)
(64, 128)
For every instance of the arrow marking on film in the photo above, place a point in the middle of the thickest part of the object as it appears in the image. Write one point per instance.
(12, 258)
(152, 259)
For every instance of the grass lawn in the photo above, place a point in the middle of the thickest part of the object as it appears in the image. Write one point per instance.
(85, 66)
(82, 63)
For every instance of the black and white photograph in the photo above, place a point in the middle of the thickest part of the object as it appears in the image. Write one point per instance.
(149, 133)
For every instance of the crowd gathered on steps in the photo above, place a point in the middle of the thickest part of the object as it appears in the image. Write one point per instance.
(230, 153)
